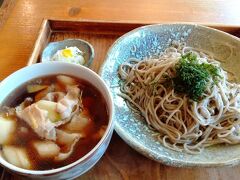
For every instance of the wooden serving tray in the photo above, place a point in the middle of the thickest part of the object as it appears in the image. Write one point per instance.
(100, 34)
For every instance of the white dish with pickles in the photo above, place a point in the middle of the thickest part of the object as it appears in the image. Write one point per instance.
(75, 51)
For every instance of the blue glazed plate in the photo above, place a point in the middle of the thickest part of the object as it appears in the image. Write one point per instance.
(149, 41)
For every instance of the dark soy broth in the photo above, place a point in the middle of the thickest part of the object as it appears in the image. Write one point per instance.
(92, 101)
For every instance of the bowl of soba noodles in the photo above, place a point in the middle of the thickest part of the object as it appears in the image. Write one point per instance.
(55, 119)
(176, 91)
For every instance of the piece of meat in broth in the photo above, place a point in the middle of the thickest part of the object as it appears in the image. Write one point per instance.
(37, 116)
(79, 122)
(38, 120)
(68, 141)
(54, 96)
(66, 105)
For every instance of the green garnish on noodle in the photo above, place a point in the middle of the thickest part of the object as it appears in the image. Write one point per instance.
(192, 78)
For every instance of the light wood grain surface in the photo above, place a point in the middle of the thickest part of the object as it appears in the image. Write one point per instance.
(19, 27)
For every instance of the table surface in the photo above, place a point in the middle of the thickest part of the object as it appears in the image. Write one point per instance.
(19, 26)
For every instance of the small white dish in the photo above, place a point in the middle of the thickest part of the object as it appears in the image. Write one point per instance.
(84, 46)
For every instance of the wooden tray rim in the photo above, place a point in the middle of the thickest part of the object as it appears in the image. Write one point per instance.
(46, 29)
(213, 25)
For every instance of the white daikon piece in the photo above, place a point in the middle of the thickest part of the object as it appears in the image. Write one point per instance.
(16, 156)
(66, 80)
(8, 127)
(46, 149)
(50, 107)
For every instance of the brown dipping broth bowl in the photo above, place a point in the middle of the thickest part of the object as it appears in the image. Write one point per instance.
(83, 164)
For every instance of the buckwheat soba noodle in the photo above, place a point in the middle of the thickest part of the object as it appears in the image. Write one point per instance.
(185, 96)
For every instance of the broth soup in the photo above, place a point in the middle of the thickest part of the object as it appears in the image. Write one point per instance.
(51, 122)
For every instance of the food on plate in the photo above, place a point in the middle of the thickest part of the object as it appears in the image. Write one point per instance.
(51, 122)
(69, 54)
(185, 96)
